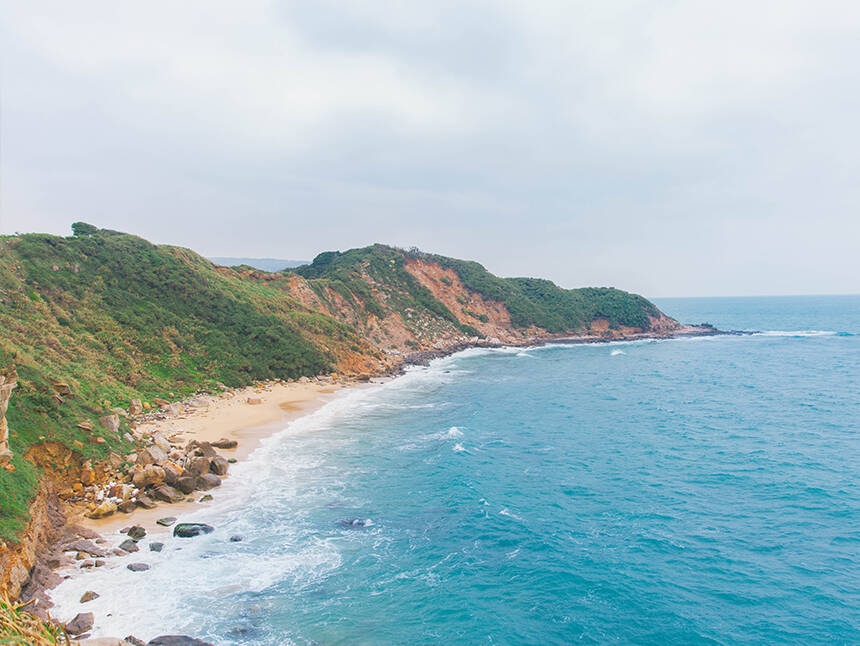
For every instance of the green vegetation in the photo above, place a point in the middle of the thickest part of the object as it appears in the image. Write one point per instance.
(94, 320)
(20, 628)
(113, 317)
(541, 303)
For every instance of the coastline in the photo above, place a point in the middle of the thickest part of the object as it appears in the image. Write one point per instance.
(249, 424)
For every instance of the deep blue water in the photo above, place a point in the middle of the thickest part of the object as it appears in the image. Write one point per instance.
(699, 491)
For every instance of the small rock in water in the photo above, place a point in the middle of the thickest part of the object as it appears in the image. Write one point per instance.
(134, 641)
(206, 498)
(177, 640)
(190, 530)
(138, 567)
(354, 523)
(137, 532)
(235, 538)
(129, 545)
(166, 522)
(156, 547)
(232, 460)
(89, 595)
(81, 623)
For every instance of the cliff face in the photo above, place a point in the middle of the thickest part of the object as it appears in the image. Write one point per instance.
(8, 381)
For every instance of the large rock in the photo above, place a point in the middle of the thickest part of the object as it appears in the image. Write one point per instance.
(152, 455)
(145, 501)
(172, 472)
(161, 442)
(136, 407)
(197, 465)
(110, 422)
(84, 545)
(81, 623)
(207, 481)
(186, 484)
(136, 532)
(205, 449)
(129, 546)
(168, 494)
(218, 466)
(190, 530)
(224, 443)
(177, 640)
(151, 474)
(104, 509)
(138, 567)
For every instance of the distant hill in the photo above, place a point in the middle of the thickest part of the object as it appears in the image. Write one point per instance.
(264, 264)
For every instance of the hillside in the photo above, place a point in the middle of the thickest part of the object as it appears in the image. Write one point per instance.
(266, 264)
(92, 321)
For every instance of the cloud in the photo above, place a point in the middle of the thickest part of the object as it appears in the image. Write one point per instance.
(659, 146)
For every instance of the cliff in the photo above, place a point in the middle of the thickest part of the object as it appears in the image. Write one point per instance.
(102, 322)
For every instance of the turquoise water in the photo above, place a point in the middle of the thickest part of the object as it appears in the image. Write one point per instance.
(699, 491)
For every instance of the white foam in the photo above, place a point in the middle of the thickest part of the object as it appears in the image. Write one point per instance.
(459, 448)
(615, 353)
(797, 333)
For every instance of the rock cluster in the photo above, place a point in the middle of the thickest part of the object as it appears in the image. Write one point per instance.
(163, 469)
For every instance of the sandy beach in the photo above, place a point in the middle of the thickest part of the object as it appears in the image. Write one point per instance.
(223, 417)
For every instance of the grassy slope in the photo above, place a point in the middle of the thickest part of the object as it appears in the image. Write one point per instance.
(115, 318)
(530, 301)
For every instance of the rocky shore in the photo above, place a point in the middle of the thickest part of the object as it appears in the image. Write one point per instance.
(179, 465)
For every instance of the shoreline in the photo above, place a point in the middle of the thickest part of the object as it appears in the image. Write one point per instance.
(250, 424)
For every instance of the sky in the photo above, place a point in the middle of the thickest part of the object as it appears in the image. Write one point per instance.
(667, 148)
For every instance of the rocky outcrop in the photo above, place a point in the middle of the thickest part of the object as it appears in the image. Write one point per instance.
(8, 381)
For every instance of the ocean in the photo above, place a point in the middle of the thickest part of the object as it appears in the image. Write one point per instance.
(687, 491)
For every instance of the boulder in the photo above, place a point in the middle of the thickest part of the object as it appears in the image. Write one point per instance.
(218, 466)
(110, 422)
(81, 623)
(161, 442)
(198, 465)
(119, 411)
(88, 476)
(190, 530)
(186, 484)
(159, 401)
(151, 474)
(127, 506)
(89, 595)
(155, 546)
(136, 533)
(152, 455)
(224, 443)
(84, 545)
(167, 521)
(172, 472)
(105, 509)
(202, 448)
(176, 640)
(168, 494)
(86, 425)
(136, 407)
(129, 546)
(145, 501)
(207, 481)
(138, 567)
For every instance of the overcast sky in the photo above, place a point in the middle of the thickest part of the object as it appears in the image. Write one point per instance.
(669, 148)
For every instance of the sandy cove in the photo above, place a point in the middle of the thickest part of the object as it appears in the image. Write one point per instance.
(230, 418)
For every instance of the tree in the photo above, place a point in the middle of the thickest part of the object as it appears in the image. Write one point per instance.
(82, 229)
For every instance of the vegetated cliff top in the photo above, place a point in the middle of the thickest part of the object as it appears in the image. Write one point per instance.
(94, 320)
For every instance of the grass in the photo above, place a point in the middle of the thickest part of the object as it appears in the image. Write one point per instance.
(20, 628)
